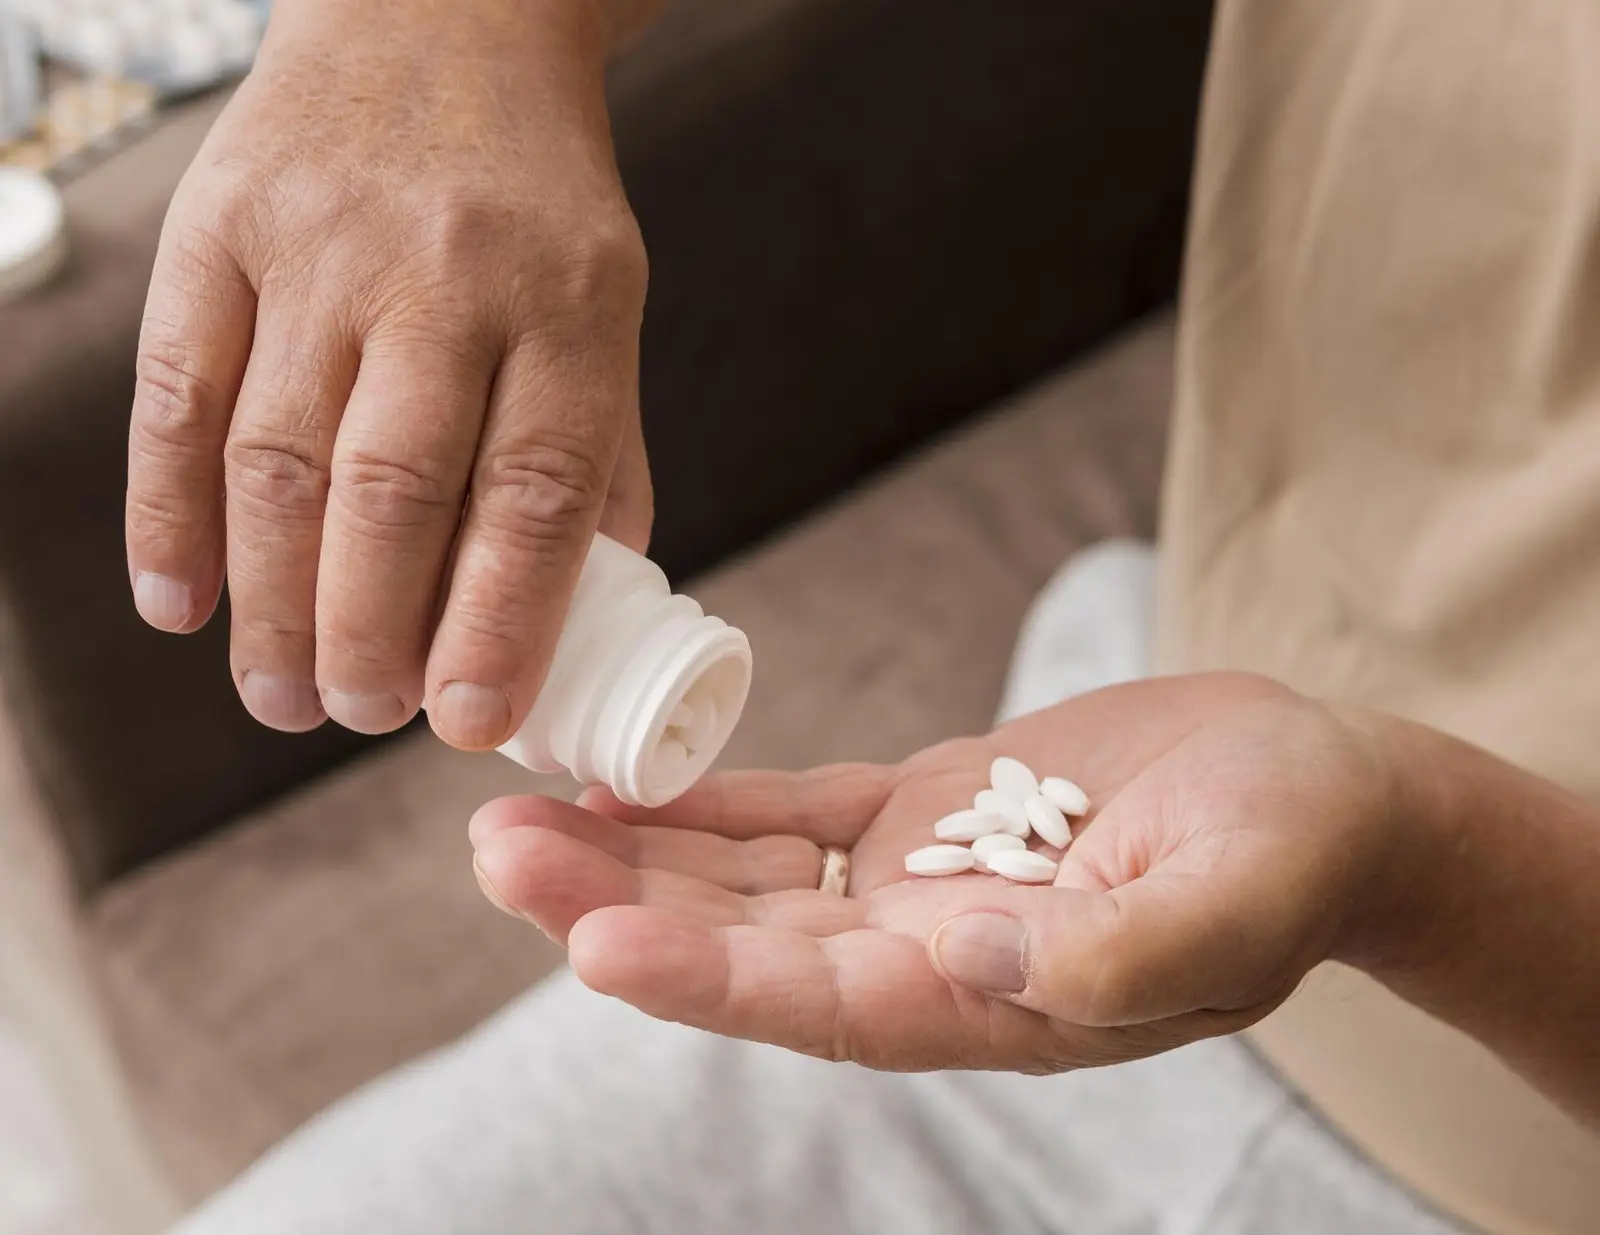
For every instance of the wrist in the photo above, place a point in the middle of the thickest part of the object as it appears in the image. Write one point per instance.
(1405, 906)
(1485, 914)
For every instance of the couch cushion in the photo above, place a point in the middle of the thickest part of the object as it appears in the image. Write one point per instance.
(265, 972)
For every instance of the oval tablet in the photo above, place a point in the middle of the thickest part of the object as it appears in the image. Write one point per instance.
(1049, 824)
(1013, 778)
(939, 860)
(1065, 796)
(967, 825)
(993, 802)
(1022, 866)
(995, 842)
(703, 725)
(671, 755)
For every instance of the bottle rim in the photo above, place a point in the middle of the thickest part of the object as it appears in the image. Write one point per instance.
(709, 656)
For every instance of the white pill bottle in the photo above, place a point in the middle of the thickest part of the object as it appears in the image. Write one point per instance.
(645, 688)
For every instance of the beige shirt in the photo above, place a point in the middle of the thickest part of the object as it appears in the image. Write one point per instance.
(1384, 479)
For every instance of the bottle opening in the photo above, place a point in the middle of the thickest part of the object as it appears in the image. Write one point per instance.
(644, 689)
(696, 729)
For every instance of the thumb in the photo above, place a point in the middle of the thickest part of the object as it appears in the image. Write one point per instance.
(1148, 950)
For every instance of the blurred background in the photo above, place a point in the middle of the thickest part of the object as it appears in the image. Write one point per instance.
(907, 347)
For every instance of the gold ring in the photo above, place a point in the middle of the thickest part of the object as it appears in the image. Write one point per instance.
(835, 871)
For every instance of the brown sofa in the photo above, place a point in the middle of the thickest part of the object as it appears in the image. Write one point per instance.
(868, 222)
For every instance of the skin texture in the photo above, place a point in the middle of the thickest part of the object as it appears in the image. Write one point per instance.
(1240, 834)
(388, 374)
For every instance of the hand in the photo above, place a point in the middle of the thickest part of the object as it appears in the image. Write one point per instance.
(1240, 835)
(388, 371)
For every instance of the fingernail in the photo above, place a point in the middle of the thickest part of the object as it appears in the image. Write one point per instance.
(163, 602)
(472, 716)
(489, 890)
(984, 951)
(281, 703)
(365, 713)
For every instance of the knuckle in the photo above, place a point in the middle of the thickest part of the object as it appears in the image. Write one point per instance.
(455, 223)
(492, 626)
(222, 197)
(259, 628)
(162, 515)
(539, 492)
(364, 647)
(174, 395)
(603, 262)
(230, 209)
(214, 222)
(486, 624)
(387, 495)
(281, 477)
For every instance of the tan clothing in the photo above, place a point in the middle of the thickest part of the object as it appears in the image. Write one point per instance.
(1384, 478)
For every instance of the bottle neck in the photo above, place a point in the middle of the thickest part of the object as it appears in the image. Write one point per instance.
(644, 690)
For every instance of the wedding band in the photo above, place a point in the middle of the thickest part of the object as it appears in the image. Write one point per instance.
(835, 871)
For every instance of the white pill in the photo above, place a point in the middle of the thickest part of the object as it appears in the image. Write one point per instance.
(993, 802)
(1049, 824)
(671, 755)
(967, 825)
(1013, 778)
(704, 727)
(1065, 796)
(693, 724)
(940, 860)
(1021, 866)
(994, 843)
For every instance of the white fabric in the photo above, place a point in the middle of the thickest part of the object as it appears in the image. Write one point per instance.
(1091, 627)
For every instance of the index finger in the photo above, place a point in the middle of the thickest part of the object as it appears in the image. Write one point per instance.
(829, 806)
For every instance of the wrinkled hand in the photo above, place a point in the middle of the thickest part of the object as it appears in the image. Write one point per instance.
(1236, 832)
(387, 381)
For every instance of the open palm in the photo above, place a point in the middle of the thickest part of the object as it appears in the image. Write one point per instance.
(1232, 829)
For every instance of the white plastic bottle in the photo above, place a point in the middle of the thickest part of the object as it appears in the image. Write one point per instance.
(645, 687)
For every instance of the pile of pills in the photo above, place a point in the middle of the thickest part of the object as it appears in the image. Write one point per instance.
(993, 835)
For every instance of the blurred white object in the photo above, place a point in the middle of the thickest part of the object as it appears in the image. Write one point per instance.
(1090, 627)
(98, 43)
(33, 233)
(20, 85)
(177, 46)
(194, 52)
(41, 1191)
